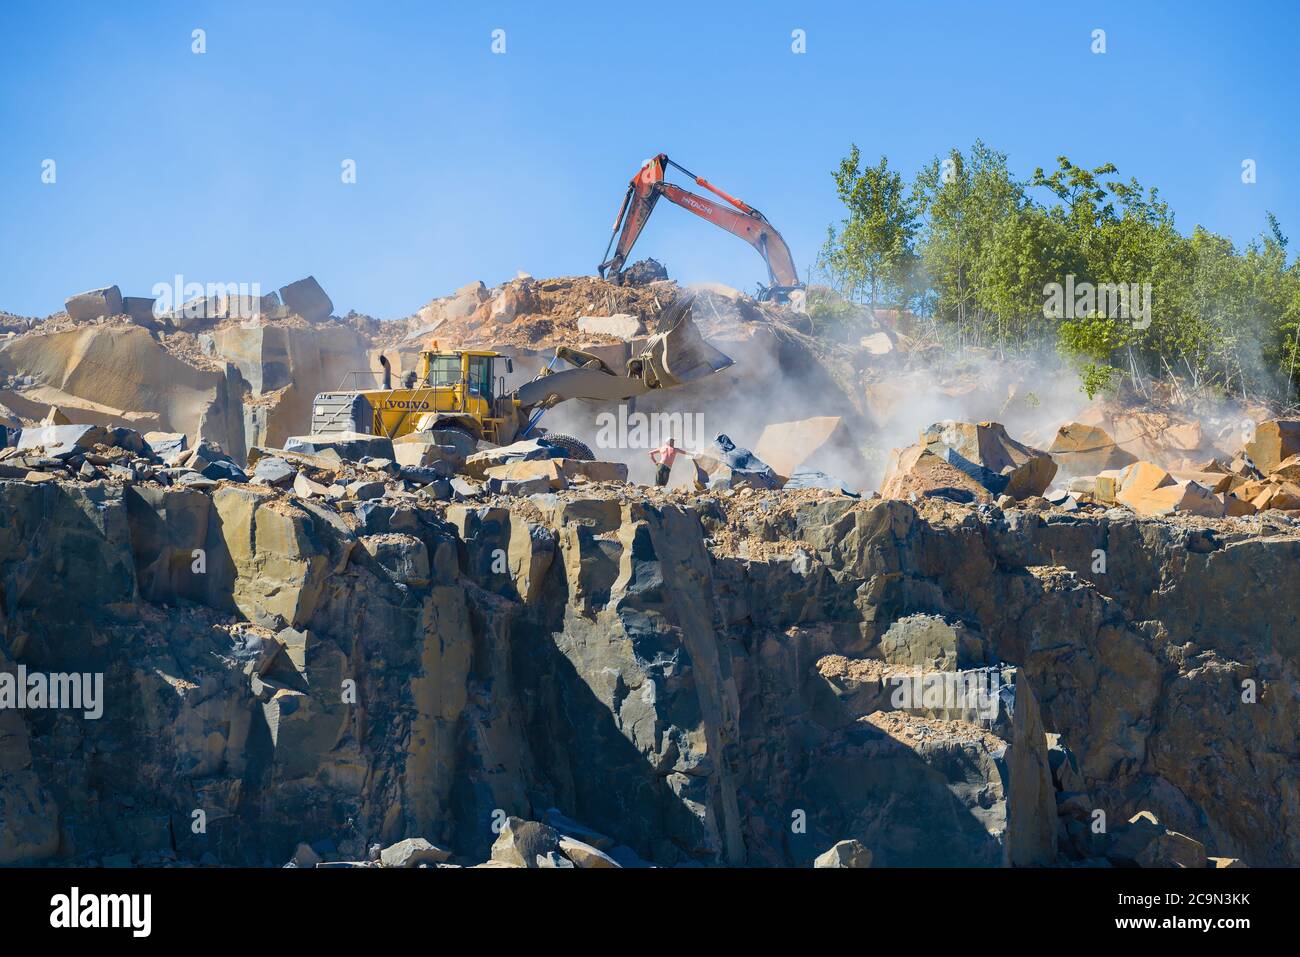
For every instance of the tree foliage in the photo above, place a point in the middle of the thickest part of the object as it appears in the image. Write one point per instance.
(871, 254)
(974, 250)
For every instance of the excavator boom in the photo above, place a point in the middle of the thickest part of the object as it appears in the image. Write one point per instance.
(648, 185)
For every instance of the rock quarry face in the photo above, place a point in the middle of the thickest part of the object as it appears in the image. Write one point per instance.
(424, 652)
(243, 371)
(122, 376)
(602, 679)
(240, 377)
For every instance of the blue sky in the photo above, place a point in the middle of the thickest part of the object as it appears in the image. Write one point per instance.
(225, 166)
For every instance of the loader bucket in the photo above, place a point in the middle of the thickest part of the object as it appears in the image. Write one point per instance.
(548, 390)
(680, 354)
(674, 357)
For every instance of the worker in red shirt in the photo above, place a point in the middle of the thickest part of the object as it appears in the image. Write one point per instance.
(663, 457)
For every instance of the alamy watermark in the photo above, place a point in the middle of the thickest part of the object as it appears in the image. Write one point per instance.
(36, 690)
(975, 691)
(213, 300)
(648, 430)
(76, 909)
(1114, 300)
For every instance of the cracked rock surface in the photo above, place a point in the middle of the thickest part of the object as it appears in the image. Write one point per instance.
(601, 679)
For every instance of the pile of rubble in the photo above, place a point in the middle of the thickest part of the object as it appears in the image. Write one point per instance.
(1263, 474)
(820, 415)
(530, 313)
(556, 842)
(956, 462)
(344, 469)
(205, 368)
(978, 463)
(243, 370)
(968, 463)
(237, 367)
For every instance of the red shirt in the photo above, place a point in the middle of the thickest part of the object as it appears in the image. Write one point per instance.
(666, 454)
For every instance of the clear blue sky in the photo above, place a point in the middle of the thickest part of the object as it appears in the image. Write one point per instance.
(225, 166)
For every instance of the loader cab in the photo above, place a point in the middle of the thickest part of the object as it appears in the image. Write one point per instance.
(468, 378)
(478, 376)
(443, 370)
(461, 382)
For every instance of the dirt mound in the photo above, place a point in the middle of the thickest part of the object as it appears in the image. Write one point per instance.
(532, 314)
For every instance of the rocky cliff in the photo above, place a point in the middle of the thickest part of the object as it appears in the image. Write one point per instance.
(722, 680)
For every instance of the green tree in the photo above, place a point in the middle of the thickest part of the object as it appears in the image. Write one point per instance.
(871, 253)
(985, 249)
(975, 249)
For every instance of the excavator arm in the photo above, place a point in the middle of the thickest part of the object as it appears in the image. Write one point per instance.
(741, 220)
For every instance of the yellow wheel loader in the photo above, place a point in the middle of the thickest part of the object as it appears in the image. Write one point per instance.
(465, 389)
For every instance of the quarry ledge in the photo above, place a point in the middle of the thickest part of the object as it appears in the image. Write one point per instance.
(685, 645)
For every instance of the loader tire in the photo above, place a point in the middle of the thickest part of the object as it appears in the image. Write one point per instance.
(573, 449)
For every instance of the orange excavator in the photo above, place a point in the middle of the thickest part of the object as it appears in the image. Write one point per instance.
(743, 220)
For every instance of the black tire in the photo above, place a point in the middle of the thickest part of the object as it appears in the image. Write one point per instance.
(457, 427)
(573, 449)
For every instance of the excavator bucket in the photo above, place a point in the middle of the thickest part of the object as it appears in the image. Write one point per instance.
(679, 354)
